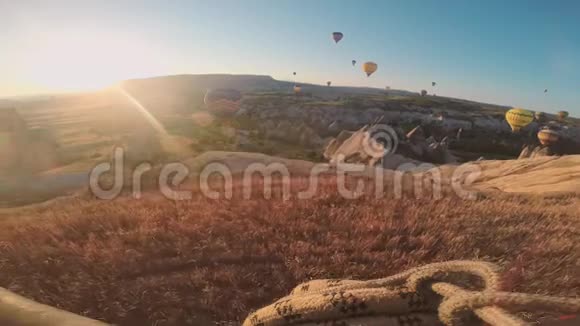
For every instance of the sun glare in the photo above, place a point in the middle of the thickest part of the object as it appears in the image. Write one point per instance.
(84, 60)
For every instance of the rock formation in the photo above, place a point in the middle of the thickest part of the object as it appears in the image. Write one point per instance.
(354, 147)
(361, 147)
(566, 143)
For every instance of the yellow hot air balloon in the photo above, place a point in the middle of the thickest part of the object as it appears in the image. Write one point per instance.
(369, 68)
(518, 118)
(548, 137)
(297, 89)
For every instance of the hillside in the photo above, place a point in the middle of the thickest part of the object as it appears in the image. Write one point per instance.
(244, 83)
(142, 259)
(154, 121)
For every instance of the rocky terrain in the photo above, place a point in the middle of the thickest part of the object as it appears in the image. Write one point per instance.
(483, 130)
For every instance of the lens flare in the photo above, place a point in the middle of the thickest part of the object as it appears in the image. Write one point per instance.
(148, 116)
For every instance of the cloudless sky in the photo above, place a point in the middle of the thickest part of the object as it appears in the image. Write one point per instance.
(504, 52)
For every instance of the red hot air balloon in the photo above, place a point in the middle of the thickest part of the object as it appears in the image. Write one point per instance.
(337, 36)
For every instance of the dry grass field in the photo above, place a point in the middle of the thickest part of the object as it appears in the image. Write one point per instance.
(197, 262)
(158, 262)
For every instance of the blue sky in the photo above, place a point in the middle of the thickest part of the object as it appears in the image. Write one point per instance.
(504, 52)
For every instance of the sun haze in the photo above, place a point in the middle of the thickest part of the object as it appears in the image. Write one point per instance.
(69, 45)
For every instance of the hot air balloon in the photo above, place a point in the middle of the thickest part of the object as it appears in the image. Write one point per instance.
(297, 89)
(518, 118)
(562, 115)
(548, 137)
(540, 116)
(353, 62)
(546, 90)
(294, 73)
(222, 101)
(369, 68)
(328, 83)
(423, 92)
(433, 83)
(337, 36)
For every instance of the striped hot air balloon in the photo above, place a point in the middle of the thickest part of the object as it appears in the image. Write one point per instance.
(548, 137)
(222, 101)
(518, 118)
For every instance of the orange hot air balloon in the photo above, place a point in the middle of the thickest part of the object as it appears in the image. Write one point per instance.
(548, 137)
(369, 68)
